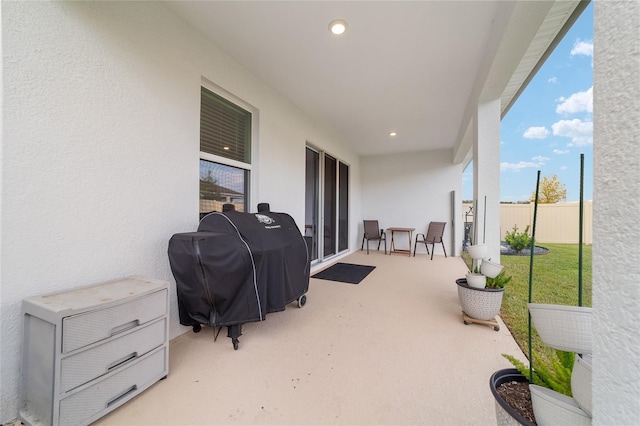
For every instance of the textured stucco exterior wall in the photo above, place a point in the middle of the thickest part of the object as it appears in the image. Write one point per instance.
(100, 142)
(616, 260)
(486, 175)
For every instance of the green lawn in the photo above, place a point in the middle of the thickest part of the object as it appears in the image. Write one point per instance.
(555, 280)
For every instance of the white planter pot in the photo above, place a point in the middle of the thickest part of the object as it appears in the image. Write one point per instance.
(479, 303)
(551, 408)
(476, 280)
(478, 251)
(581, 383)
(567, 328)
(490, 269)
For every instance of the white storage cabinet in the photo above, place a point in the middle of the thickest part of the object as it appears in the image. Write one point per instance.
(89, 350)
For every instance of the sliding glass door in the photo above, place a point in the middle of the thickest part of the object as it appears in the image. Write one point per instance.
(330, 204)
(343, 207)
(312, 200)
(326, 204)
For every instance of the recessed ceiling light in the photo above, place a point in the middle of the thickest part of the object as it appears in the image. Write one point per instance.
(226, 148)
(338, 26)
(392, 133)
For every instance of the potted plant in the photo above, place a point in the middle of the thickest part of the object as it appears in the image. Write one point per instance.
(480, 293)
(510, 389)
(515, 401)
(565, 328)
(482, 305)
(565, 396)
(560, 391)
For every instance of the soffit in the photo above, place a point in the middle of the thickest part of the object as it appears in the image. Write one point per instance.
(410, 67)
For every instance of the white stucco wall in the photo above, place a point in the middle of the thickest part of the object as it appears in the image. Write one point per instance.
(410, 190)
(616, 204)
(486, 175)
(100, 150)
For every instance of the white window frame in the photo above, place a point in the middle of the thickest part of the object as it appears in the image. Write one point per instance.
(250, 167)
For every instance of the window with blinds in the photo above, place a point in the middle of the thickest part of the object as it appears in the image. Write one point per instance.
(225, 132)
(225, 128)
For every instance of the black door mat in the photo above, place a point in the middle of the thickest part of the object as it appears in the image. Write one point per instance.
(345, 273)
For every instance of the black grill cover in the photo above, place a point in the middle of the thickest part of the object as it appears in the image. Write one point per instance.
(238, 267)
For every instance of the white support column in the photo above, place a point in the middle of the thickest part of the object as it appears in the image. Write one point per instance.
(486, 175)
(616, 203)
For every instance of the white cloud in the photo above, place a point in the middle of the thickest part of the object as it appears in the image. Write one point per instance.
(563, 168)
(560, 151)
(581, 47)
(536, 133)
(538, 161)
(504, 166)
(553, 80)
(578, 102)
(580, 132)
(541, 159)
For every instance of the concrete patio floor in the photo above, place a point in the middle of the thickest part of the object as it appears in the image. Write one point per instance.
(390, 350)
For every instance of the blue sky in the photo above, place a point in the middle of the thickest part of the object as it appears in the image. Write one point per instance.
(551, 123)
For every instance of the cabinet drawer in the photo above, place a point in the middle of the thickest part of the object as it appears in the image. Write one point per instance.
(105, 395)
(85, 366)
(90, 327)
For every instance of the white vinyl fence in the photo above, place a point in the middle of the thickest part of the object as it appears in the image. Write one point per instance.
(556, 223)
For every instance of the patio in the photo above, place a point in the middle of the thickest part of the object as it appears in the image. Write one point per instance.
(99, 168)
(390, 350)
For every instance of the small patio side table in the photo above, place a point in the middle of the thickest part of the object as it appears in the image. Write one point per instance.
(409, 232)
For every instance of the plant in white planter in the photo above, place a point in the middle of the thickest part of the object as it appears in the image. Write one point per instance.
(565, 328)
(482, 304)
(563, 397)
(561, 390)
(480, 292)
(550, 390)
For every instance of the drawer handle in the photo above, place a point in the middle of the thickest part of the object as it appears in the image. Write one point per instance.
(122, 360)
(121, 395)
(125, 327)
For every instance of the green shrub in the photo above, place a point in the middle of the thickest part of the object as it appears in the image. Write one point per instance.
(518, 240)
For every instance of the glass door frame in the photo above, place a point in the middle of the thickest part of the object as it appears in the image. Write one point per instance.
(318, 229)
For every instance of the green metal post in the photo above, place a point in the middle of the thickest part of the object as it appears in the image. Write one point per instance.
(484, 219)
(533, 245)
(580, 233)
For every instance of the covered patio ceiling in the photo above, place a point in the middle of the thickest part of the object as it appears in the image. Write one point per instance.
(415, 68)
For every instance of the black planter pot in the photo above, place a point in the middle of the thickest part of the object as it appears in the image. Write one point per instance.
(506, 415)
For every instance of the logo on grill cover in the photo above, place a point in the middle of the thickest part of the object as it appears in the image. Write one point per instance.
(264, 219)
